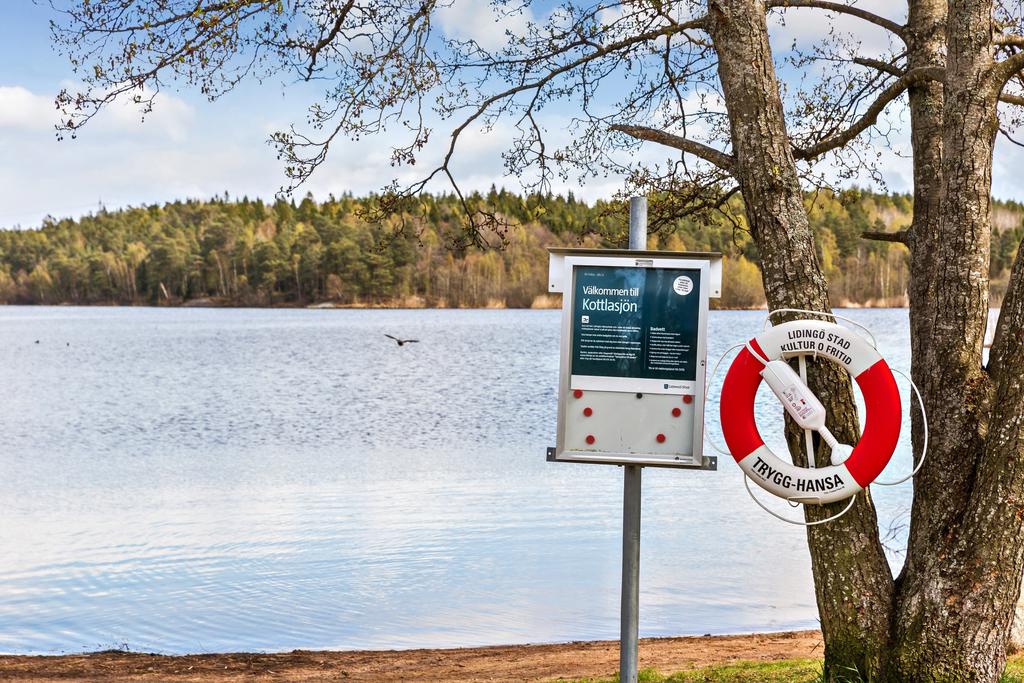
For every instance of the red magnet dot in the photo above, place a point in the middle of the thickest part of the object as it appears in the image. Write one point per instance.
(588, 411)
(687, 399)
(578, 393)
(660, 438)
(676, 412)
(590, 438)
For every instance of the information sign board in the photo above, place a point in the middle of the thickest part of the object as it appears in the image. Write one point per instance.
(635, 329)
(634, 333)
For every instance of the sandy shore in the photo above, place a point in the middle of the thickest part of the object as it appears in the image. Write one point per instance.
(503, 663)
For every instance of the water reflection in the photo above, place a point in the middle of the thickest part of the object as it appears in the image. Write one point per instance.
(211, 480)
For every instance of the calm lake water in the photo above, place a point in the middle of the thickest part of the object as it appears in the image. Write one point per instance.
(188, 480)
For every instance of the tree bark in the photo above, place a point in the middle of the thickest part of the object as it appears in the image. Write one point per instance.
(853, 583)
(954, 608)
(926, 42)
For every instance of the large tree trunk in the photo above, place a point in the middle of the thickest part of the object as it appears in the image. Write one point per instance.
(853, 583)
(954, 600)
(948, 616)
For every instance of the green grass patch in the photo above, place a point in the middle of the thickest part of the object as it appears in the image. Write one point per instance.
(787, 671)
(1014, 670)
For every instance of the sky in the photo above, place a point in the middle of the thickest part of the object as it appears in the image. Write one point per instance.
(191, 148)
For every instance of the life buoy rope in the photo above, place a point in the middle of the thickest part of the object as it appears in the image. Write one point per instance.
(881, 397)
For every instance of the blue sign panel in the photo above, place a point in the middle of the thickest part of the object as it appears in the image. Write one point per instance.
(640, 323)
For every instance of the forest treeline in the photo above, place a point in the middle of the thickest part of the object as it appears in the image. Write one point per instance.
(248, 252)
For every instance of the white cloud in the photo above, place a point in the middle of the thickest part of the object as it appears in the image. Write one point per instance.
(117, 159)
(480, 21)
(23, 109)
(20, 108)
(171, 116)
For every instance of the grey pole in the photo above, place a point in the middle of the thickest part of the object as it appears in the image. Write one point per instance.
(630, 610)
(630, 615)
(638, 223)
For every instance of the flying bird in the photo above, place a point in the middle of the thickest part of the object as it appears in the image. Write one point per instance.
(402, 342)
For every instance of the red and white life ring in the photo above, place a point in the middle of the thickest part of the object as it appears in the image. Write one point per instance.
(881, 398)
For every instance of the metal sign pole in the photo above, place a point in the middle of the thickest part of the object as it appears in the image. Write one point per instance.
(629, 629)
(630, 615)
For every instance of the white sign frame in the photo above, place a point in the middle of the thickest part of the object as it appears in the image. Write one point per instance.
(630, 386)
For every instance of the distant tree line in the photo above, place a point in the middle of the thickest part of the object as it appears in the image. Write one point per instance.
(248, 252)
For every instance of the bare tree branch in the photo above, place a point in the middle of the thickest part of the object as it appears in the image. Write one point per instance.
(1009, 67)
(724, 161)
(900, 236)
(887, 67)
(314, 50)
(1009, 39)
(1009, 136)
(871, 115)
(888, 24)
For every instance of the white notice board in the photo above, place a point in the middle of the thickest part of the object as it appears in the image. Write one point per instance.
(633, 358)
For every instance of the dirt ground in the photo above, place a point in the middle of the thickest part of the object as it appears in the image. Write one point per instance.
(503, 663)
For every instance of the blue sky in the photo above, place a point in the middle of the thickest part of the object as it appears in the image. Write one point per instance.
(193, 148)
